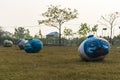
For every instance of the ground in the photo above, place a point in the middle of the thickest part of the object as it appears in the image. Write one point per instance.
(56, 63)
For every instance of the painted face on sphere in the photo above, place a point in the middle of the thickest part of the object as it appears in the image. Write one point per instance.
(95, 47)
(33, 46)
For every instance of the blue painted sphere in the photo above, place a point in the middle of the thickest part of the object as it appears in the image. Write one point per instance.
(33, 46)
(94, 48)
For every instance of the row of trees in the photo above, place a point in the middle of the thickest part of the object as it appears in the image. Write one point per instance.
(56, 17)
(67, 36)
(83, 31)
(21, 32)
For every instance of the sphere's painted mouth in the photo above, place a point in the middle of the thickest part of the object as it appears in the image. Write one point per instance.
(100, 51)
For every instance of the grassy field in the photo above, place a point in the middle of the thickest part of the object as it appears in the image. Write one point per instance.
(56, 63)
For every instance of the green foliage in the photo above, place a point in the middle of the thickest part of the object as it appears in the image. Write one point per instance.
(84, 30)
(7, 35)
(27, 34)
(94, 29)
(56, 16)
(68, 32)
(21, 33)
(1, 32)
(36, 36)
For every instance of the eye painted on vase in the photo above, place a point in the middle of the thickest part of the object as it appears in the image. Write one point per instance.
(92, 44)
(104, 43)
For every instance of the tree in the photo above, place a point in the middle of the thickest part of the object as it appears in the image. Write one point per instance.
(36, 36)
(7, 35)
(1, 34)
(27, 34)
(68, 32)
(21, 33)
(40, 34)
(56, 17)
(84, 29)
(110, 21)
(94, 29)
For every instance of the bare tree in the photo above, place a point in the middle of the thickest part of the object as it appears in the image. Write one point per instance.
(110, 21)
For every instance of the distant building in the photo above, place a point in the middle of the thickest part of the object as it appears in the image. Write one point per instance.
(52, 35)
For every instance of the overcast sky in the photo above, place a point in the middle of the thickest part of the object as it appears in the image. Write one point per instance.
(22, 13)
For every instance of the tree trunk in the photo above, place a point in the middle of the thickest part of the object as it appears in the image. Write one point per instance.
(111, 32)
(59, 34)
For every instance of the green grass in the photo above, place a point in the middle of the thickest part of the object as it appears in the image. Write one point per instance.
(56, 63)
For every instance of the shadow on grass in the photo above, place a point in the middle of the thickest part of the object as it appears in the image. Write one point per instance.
(80, 61)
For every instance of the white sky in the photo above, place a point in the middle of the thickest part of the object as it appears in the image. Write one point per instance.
(22, 13)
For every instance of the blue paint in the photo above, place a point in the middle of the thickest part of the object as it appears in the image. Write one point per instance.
(96, 47)
(33, 46)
